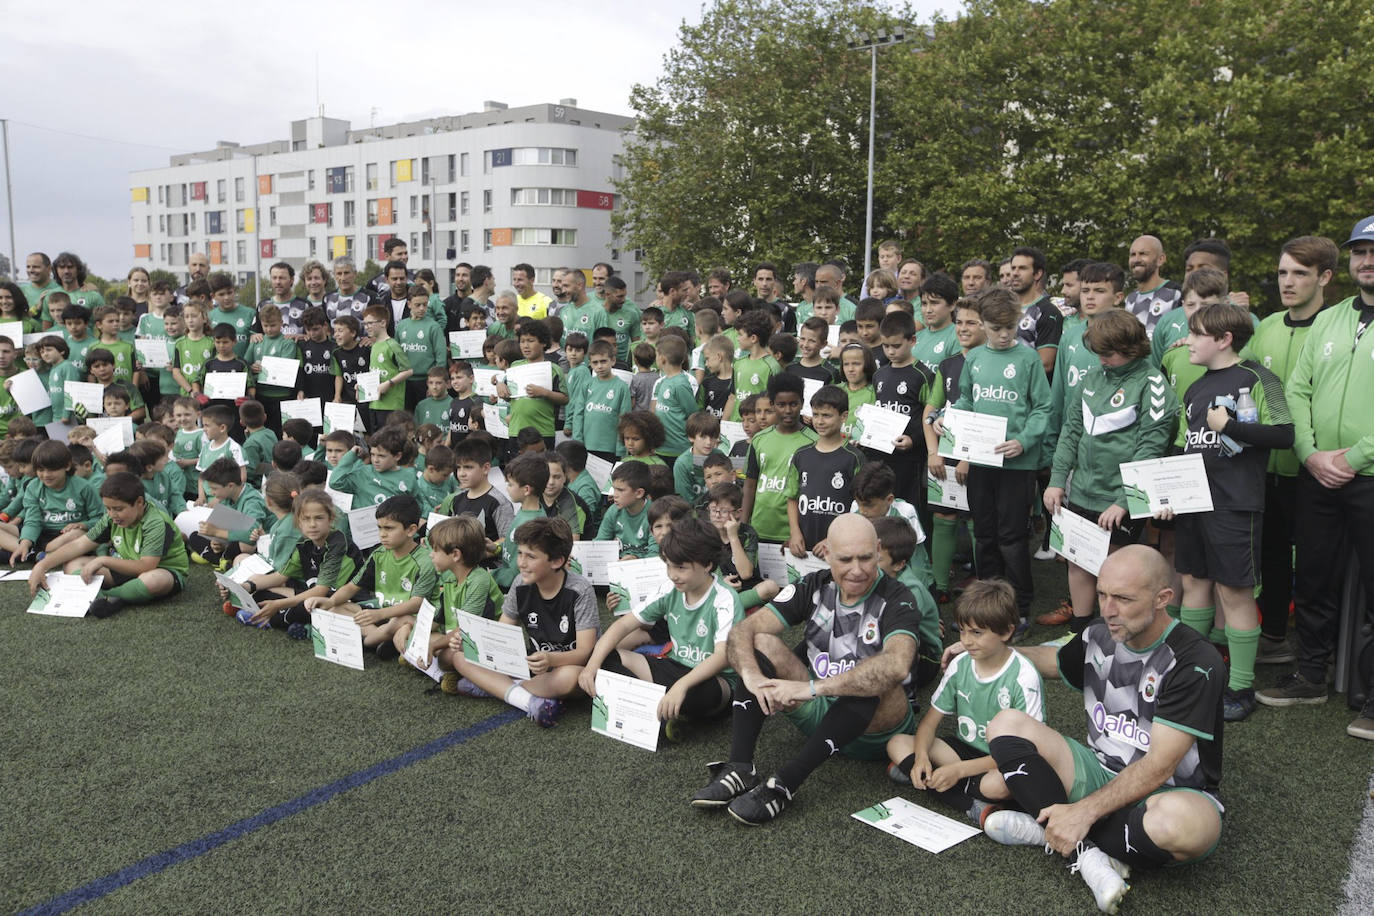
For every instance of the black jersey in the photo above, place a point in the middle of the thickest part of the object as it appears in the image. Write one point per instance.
(491, 508)
(552, 623)
(823, 373)
(351, 364)
(822, 483)
(715, 392)
(1042, 324)
(316, 379)
(1237, 457)
(460, 414)
(337, 305)
(904, 389)
(950, 368)
(291, 312)
(837, 637)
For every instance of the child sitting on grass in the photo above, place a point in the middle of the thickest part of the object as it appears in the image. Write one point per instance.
(58, 502)
(214, 545)
(557, 610)
(457, 547)
(147, 557)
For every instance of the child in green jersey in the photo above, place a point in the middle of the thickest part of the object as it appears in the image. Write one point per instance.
(397, 576)
(215, 443)
(434, 408)
(673, 398)
(627, 520)
(277, 542)
(125, 360)
(224, 480)
(757, 366)
(987, 678)
(436, 481)
(258, 440)
(273, 343)
(896, 547)
(54, 352)
(539, 405)
(335, 446)
(382, 474)
(689, 476)
(457, 547)
(699, 612)
(770, 459)
(185, 422)
(641, 435)
(147, 557)
(526, 479)
(581, 482)
(58, 502)
(602, 401)
(579, 373)
(421, 336)
(388, 359)
(191, 352)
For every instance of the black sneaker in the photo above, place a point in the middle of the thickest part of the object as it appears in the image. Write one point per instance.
(1236, 705)
(1274, 651)
(761, 804)
(105, 607)
(387, 650)
(728, 780)
(1293, 690)
(1363, 726)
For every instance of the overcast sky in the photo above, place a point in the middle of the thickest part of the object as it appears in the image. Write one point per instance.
(140, 82)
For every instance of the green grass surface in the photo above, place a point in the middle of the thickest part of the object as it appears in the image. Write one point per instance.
(127, 737)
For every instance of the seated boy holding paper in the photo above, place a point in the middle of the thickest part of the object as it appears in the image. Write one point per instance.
(396, 577)
(556, 609)
(147, 558)
(57, 502)
(213, 544)
(699, 612)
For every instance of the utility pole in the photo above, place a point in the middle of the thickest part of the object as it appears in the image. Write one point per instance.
(9, 196)
(864, 42)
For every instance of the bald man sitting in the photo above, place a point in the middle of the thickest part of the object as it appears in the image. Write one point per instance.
(1152, 693)
(842, 686)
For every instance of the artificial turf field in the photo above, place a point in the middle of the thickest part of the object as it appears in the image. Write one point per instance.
(153, 731)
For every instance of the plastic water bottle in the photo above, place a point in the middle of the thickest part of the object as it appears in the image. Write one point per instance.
(1247, 411)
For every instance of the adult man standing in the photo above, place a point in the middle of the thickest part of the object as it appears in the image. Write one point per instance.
(397, 287)
(1141, 793)
(719, 282)
(1041, 323)
(198, 268)
(1153, 295)
(672, 297)
(458, 303)
(483, 288)
(347, 299)
(529, 303)
(71, 276)
(282, 277)
(601, 272)
(1214, 253)
(393, 249)
(974, 276)
(38, 266)
(580, 314)
(842, 686)
(1327, 394)
(621, 317)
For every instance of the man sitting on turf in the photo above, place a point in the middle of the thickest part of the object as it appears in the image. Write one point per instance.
(842, 685)
(1142, 791)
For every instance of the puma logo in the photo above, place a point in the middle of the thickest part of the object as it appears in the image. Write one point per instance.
(742, 704)
(1019, 771)
(1205, 672)
(833, 748)
(963, 696)
(1129, 847)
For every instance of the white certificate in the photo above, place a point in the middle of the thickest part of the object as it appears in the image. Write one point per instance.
(773, 562)
(1081, 542)
(433, 519)
(466, 344)
(809, 387)
(362, 525)
(369, 386)
(638, 582)
(230, 519)
(493, 422)
(879, 427)
(337, 638)
(520, 378)
(226, 386)
(948, 492)
(254, 564)
(310, 410)
(263, 546)
(188, 522)
(65, 595)
(600, 469)
(125, 425)
(58, 431)
(153, 352)
(484, 382)
(731, 432)
(279, 371)
(625, 375)
(342, 501)
(919, 826)
(973, 436)
(417, 650)
(340, 416)
(14, 330)
(239, 594)
(88, 394)
(109, 441)
(1178, 483)
(30, 392)
(493, 645)
(626, 709)
(799, 568)
(593, 558)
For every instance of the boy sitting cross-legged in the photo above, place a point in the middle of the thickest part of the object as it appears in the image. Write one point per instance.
(556, 609)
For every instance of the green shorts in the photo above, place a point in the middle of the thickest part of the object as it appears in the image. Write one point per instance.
(807, 718)
(1089, 774)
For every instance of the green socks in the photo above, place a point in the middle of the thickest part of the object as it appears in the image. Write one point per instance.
(1199, 618)
(750, 598)
(133, 591)
(943, 540)
(1244, 645)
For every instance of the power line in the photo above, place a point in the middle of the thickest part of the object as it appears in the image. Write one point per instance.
(68, 133)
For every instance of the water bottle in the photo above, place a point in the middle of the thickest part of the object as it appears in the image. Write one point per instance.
(1247, 411)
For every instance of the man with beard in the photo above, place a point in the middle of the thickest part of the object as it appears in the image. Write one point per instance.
(1041, 323)
(198, 267)
(347, 299)
(1153, 295)
(459, 303)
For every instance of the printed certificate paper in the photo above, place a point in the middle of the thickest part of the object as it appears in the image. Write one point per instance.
(337, 639)
(1178, 483)
(638, 582)
(948, 492)
(593, 559)
(279, 371)
(64, 595)
(880, 427)
(918, 826)
(1081, 542)
(799, 568)
(499, 647)
(520, 378)
(225, 386)
(626, 709)
(972, 437)
(418, 647)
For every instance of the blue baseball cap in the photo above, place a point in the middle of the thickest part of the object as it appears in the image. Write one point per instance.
(1363, 231)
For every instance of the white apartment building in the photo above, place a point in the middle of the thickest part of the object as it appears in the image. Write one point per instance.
(498, 187)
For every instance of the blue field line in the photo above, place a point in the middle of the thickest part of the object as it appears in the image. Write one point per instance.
(161, 861)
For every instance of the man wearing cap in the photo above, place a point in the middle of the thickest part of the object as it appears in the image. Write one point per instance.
(1328, 396)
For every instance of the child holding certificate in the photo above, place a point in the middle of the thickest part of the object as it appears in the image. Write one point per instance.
(56, 502)
(1123, 410)
(275, 344)
(699, 613)
(457, 547)
(556, 611)
(1235, 414)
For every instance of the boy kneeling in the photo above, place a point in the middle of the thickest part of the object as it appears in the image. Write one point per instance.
(700, 610)
(147, 558)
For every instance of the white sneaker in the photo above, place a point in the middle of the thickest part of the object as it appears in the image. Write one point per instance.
(1103, 876)
(1014, 828)
(1044, 553)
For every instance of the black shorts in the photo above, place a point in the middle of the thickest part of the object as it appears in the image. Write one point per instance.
(961, 747)
(1128, 532)
(1222, 545)
(665, 671)
(116, 579)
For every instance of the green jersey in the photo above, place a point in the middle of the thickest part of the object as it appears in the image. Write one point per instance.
(77, 350)
(1170, 332)
(279, 346)
(1072, 362)
(395, 580)
(932, 347)
(37, 297)
(974, 700)
(209, 453)
(370, 486)
(674, 400)
(930, 645)
(285, 536)
(191, 356)
(769, 461)
(681, 318)
(689, 479)
(1181, 373)
(536, 412)
(187, 444)
(603, 402)
(250, 502)
(257, 453)
(858, 397)
(241, 317)
(1276, 346)
(751, 377)
(584, 319)
(434, 410)
(507, 572)
(585, 487)
(430, 495)
(577, 378)
(1327, 386)
(631, 529)
(477, 594)
(389, 360)
(153, 535)
(698, 629)
(125, 359)
(50, 510)
(1009, 383)
(423, 342)
(625, 322)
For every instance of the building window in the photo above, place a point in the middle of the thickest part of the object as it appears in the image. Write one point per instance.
(150, 224)
(486, 240)
(452, 168)
(452, 207)
(310, 183)
(543, 276)
(463, 240)
(193, 221)
(463, 201)
(548, 197)
(159, 191)
(162, 223)
(463, 165)
(238, 190)
(221, 191)
(240, 251)
(312, 246)
(402, 170)
(486, 201)
(372, 176)
(350, 215)
(543, 237)
(414, 206)
(271, 216)
(543, 155)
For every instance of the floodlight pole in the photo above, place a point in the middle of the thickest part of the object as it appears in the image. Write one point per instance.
(863, 42)
(9, 195)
